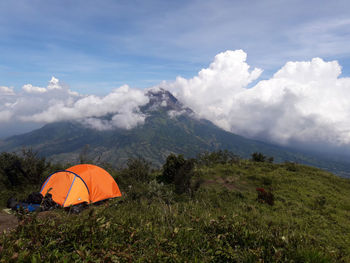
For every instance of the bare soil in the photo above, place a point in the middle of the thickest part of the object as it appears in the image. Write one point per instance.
(7, 222)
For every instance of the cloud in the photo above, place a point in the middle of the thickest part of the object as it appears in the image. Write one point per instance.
(29, 88)
(5, 91)
(5, 116)
(57, 102)
(305, 102)
(54, 84)
(211, 93)
(123, 104)
(120, 101)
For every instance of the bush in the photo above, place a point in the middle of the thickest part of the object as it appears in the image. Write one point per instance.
(179, 172)
(134, 178)
(265, 197)
(18, 170)
(182, 178)
(291, 166)
(258, 157)
(139, 169)
(172, 165)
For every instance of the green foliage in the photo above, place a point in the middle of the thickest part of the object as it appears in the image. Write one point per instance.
(21, 174)
(179, 171)
(290, 166)
(171, 167)
(182, 178)
(221, 222)
(139, 169)
(258, 157)
(19, 170)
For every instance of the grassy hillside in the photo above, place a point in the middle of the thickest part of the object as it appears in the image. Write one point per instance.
(221, 221)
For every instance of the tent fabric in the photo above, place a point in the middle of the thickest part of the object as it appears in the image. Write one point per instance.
(80, 183)
(99, 182)
(66, 188)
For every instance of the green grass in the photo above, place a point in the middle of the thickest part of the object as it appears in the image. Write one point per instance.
(221, 222)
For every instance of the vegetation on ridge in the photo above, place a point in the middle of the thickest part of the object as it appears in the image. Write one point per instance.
(217, 218)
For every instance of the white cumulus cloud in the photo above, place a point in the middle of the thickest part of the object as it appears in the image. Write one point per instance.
(32, 89)
(57, 102)
(120, 102)
(211, 93)
(302, 102)
(6, 91)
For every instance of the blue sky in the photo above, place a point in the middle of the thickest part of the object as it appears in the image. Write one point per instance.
(95, 46)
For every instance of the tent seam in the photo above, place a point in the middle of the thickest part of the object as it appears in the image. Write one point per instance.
(47, 180)
(77, 175)
(69, 190)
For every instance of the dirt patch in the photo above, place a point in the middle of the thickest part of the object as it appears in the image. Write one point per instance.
(228, 183)
(7, 222)
(231, 186)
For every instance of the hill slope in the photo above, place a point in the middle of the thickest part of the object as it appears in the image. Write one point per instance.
(221, 222)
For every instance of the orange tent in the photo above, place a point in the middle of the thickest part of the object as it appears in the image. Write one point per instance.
(80, 183)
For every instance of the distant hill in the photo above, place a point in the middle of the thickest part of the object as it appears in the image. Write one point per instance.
(169, 128)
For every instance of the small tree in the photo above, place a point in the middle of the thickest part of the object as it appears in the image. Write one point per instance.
(11, 169)
(139, 169)
(171, 167)
(182, 178)
(258, 157)
(33, 166)
(179, 172)
(22, 169)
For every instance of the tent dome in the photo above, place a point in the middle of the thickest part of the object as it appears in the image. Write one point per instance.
(80, 183)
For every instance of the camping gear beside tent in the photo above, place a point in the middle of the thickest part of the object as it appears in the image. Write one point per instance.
(28, 207)
(34, 202)
(83, 183)
(24, 205)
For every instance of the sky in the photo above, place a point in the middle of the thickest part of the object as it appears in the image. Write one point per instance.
(272, 70)
(97, 46)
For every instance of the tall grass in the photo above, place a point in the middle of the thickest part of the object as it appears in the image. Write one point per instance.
(221, 222)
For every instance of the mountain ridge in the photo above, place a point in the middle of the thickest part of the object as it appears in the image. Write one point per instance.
(169, 127)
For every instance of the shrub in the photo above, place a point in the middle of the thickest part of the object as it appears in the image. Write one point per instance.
(179, 172)
(290, 166)
(265, 197)
(33, 166)
(182, 178)
(18, 170)
(172, 165)
(258, 157)
(139, 168)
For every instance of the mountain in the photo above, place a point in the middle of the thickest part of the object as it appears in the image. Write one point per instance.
(169, 127)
